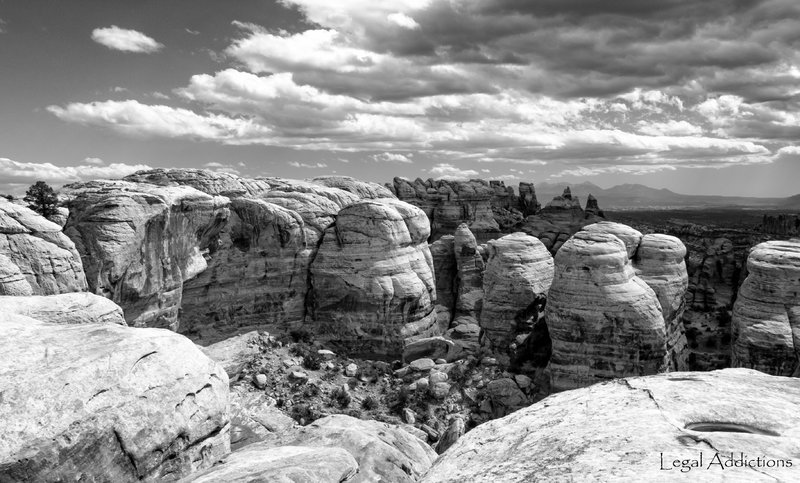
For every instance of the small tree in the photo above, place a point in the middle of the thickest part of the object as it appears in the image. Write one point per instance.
(42, 199)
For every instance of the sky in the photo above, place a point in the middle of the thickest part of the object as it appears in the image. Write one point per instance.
(700, 97)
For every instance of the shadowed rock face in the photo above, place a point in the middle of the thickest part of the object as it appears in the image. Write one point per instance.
(140, 243)
(446, 272)
(604, 321)
(519, 270)
(372, 284)
(470, 267)
(615, 431)
(107, 402)
(35, 257)
(766, 315)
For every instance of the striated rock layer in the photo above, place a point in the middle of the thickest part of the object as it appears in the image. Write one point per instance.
(766, 315)
(604, 321)
(519, 272)
(633, 430)
(140, 243)
(470, 267)
(106, 402)
(35, 257)
(372, 284)
(68, 308)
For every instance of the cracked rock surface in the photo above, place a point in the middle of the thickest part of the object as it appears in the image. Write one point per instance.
(629, 429)
(105, 402)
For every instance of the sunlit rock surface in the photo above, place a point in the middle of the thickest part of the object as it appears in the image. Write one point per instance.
(68, 308)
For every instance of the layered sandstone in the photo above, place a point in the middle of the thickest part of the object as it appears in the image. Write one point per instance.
(633, 429)
(604, 321)
(209, 182)
(35, 257)
(560, 219)
(68, 308)
(766, 315)
(140, 242)
(107, 402)
(519, 272)
(470, 268)
(372, 284)
(445, 270)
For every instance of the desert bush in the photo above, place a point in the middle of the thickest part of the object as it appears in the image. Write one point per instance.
(369, 403)
(301, 335)
(341, 397)
(312, 361)
(304, 413)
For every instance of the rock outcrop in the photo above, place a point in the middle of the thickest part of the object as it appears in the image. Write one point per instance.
(519, 272)
(445, 271)
(372, 285)
(659, 261)
(107, 402)
(766, 315)
(68, 308)
(640, 429)
(140, 242)
(383, 452)
(362, 189)
(213, 183)
(35, 257)
(604, 321)
(470, 267)
(559, 220)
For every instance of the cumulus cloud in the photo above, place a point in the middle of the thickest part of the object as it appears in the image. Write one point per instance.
(296, 164)
(446, 170)
(16, 175)
(125, 40)
(402, 20)
(222, 167)
(391, 158)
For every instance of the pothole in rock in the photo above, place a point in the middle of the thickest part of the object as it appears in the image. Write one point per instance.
(719, 427)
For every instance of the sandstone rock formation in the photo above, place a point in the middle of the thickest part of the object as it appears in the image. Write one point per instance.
(659, 261)
(213, 183)
(106, 402)
(35, 257)
(362, 189)
(140, 243)
(633, 430)
(470, 267)
(528, 203)
(559, 220)
(445, 271)
(383, 452)
(285, 464)
(372, 284)
(68, 308)
(519, 272)
(766, 316)
(604, 321)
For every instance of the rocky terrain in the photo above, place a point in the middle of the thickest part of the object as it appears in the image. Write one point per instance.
(197, 326)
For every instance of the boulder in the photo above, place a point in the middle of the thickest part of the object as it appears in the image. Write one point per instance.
(766, 315)
(629, 236)
(140, 242)
(383, 452)
(286, 464)
(68, 308)
(372, 285)
(505, 397)
(518, 275)
(36, 258)
(640, 429)
(429, 347)
(107, 402)
(603, 320)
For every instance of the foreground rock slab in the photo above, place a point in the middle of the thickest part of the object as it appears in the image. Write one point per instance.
(68, 308)
(104, 402)
(586, 435)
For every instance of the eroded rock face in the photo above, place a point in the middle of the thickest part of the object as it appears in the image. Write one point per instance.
(559, 220)
(445, 270)
(140, 242)
(129, 405)
(766, 315)
(35, 257)
(617, 431)
(519, 272)
(383, 452)
(470, 267)
(372, 285)
(209, 182)
(68, 308)
(362, 189)
(604, 321)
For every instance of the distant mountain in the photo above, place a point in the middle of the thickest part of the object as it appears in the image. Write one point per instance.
(635, 196)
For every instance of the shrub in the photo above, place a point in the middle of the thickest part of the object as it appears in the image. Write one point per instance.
(312, 361)
(369, 403)
(304, 413)
(42, 199)
(341, 397)
(301, 335)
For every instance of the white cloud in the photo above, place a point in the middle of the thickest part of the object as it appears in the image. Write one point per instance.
(119, 89)
(18, 173)
(391, 158)
(94, 161)
(446, 170)
(402, 20)
(126, 40)
(670, 128)
(221, 168)
(296, 164)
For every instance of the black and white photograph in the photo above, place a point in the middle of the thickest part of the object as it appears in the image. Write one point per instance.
(312, 241)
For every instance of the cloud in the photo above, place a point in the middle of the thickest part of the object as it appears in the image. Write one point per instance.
(94, 161)
(296, 164)
(17, 175)
(222, 168)
(125, 40)
(391, 158)
(402, 20)
(446, 170)
(2, 23)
